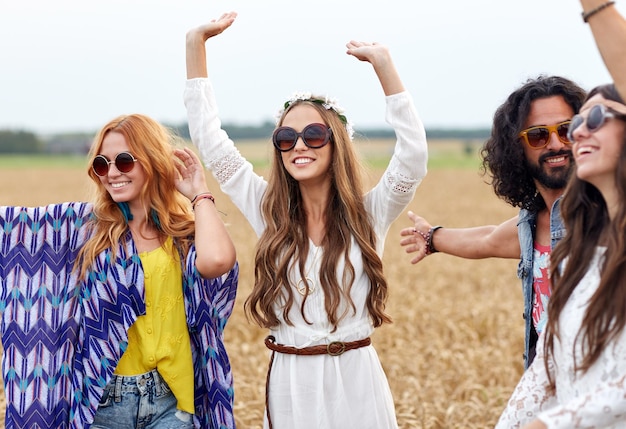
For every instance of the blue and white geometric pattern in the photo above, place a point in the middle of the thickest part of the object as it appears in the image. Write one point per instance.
(63, 337)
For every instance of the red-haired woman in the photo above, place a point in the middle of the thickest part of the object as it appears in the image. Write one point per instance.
(113, 311)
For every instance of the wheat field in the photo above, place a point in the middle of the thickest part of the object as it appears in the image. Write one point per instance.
(454, 352)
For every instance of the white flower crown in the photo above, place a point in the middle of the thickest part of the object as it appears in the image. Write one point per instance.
(328, 103)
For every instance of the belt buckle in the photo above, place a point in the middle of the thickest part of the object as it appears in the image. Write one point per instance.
(336, 348)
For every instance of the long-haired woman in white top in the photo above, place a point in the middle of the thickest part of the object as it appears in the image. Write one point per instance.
(319, 283)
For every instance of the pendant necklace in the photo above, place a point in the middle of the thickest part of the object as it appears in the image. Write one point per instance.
(306, 286)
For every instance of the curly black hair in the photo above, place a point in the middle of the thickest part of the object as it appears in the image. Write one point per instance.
(505, 160)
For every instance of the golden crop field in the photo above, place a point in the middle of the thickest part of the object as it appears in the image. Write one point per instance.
(454, 352)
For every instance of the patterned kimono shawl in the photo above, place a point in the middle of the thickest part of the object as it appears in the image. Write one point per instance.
(62, 337)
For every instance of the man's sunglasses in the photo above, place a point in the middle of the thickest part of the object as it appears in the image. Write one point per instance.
(596, 117)
(539, 137)
(314, 136)
(124, 162)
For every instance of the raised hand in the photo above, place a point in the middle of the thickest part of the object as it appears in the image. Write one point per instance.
(379, 57)
(192, 179)
(214, 27)
(371, 52)
(196, 39)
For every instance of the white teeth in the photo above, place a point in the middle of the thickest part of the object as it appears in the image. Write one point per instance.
(302, 160)
(559, 159)
(584, 150)
(119, 185)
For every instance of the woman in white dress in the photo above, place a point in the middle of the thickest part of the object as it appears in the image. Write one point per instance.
(578, 379)
(319, 283)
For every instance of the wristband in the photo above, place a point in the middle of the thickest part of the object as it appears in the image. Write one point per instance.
(198, 198)
(428, 239)
(592, 12)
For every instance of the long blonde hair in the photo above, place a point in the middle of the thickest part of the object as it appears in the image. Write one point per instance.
(152, 145)
(285, 237)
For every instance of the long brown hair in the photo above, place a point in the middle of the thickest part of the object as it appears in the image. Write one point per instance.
(152, 144)
(285, 237)
(587, 223)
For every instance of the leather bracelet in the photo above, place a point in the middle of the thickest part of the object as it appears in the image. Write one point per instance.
(592, 12)
(430, 248)
(198, 198)
(193, 200)
(428, 239)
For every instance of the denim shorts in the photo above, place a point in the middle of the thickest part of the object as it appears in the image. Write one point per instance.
(143, 402)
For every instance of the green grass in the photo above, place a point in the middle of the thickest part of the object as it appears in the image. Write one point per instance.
(436, 161)
(42, 161)
(448, 154)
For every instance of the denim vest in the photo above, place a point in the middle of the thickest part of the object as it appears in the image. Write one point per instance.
(526, 227)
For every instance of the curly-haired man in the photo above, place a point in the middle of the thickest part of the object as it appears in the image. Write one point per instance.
(529, 160)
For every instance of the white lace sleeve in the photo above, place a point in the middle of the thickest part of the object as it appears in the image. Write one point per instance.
(407, 166)
(218, 152)
(531, 395)
(232, 171)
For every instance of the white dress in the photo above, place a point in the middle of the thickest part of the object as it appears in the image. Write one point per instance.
(595, 399)
(322, 391)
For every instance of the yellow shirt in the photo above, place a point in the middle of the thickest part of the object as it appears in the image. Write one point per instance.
(160, 338)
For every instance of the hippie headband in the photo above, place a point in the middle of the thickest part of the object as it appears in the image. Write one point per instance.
(325, 101)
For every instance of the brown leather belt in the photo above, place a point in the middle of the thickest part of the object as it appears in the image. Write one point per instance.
(334, 348)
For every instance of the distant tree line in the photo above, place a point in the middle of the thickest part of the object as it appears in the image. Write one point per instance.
(241, 132)
(19, 142)
(25, 142)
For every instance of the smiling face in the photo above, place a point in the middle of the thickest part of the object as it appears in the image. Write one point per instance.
(598, 153)
(123, 187)
(549, 166)
(304, 164)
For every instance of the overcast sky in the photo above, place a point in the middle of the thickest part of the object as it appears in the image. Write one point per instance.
(72, 65)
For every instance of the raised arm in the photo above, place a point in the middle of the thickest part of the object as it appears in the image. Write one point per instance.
(609, 31)
(195, 43)
(232, 171)
(489, 241)
(379, 57)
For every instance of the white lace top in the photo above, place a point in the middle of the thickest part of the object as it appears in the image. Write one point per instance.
(595, 399)
(351, 390)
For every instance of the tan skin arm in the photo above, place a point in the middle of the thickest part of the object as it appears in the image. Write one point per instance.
(215, 251)
(609, 31)
(380, 58)
(489, 241)
(195, 43)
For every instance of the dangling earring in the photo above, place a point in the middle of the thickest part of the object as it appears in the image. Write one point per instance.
(155, 218)
(128, 216)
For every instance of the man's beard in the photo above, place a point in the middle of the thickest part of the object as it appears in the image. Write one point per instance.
(554, 178)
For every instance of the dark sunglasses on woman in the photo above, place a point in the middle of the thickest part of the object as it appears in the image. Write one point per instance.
(314, 136)
(595, 119)
(124, 162)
